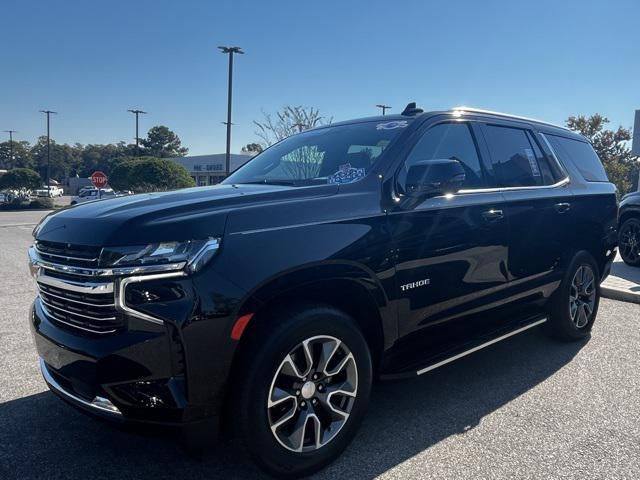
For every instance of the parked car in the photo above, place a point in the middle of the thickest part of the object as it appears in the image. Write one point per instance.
(383, 247)
(52, 191)
(629, 228)
(86, 195)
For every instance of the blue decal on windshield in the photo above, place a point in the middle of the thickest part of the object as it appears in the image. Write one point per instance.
(346, 174)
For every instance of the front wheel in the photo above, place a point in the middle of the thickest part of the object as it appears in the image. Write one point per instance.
(574, 305)
(304, 390)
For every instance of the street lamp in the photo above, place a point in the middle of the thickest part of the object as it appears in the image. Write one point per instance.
(48, 114)
(136, 113)
(230, 51)
(383, 107)
(11, 132)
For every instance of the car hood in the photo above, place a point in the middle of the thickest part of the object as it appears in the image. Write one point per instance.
(188, 214)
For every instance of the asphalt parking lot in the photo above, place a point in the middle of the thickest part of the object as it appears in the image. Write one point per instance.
(528, 407)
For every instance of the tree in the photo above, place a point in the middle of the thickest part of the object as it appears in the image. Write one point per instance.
(612, 147)
(149, 174)
(21, 155)
(163, 143)
(252, 148)
(19, 178)
(65, 159)
(288, 121)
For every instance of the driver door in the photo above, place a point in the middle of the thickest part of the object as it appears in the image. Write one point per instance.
(452, 249)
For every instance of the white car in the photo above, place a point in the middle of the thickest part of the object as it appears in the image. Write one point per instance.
(53, 191)
(92, 194)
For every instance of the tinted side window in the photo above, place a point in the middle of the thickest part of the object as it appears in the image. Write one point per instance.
(515, 158)
(448, 141)
(582, 155)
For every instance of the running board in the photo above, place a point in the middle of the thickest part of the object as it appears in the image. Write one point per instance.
(480, 347)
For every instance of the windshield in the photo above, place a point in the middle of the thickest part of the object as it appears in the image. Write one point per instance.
(340, 154)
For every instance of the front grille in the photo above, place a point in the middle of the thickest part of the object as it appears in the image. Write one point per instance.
(89, 312)
(67, 254)
(74, 300)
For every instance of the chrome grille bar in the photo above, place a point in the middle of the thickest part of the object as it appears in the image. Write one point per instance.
(70, 312)
(91, 330)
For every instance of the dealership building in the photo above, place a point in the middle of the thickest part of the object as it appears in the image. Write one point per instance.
(210, 169)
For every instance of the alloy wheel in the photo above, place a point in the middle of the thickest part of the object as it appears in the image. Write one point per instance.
(312, 394)
(582, 296)
(630, 242)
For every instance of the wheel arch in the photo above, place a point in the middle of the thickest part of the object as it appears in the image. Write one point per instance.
(631, 212)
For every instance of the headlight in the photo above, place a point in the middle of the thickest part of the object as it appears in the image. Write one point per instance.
(193, 254)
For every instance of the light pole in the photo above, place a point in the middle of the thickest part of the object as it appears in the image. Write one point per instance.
(48, 114)
(230, 51)
(11, 132)
(383, 107)
(136, 113)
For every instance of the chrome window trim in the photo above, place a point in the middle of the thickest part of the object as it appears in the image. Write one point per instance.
(98, 403)
(561, 183)
(124, 282)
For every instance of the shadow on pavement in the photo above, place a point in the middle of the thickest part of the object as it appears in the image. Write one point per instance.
(41, 437)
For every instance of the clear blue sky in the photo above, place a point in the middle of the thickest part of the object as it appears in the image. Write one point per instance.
(91, 61)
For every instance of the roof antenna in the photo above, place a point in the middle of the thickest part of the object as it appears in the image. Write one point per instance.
(411, 109)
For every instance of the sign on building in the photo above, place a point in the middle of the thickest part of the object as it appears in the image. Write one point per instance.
(635, 145)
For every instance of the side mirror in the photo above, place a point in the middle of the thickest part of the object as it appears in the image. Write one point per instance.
(434, 177)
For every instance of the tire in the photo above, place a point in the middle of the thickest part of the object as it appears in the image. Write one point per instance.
(629, 242)
(275, 360)
(574, 306)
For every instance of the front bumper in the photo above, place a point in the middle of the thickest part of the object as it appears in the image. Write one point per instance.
(126, 376)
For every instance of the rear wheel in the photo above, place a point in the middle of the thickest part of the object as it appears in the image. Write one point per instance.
(629, 241)
(304, 389)
(574, 306)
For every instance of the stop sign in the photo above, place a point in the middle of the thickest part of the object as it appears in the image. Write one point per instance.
(99, 179)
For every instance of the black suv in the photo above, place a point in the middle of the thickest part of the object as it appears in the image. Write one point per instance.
(376, 248)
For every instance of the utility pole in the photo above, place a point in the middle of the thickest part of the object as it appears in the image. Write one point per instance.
(230, 51)
(383, 107)
(11, 132)
(136, 113)
(48, 114)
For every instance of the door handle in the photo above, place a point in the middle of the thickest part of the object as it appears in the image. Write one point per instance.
(493, 215)
(562, 207)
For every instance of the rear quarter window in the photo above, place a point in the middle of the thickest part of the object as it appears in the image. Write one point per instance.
(580, 154)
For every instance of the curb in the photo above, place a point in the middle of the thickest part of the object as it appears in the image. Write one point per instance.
(619, 294)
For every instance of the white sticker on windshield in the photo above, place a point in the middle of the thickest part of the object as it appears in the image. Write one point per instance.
(346, 174)
(532, 162)
(392, 125)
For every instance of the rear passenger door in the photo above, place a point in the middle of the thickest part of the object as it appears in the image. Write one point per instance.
(538, 207)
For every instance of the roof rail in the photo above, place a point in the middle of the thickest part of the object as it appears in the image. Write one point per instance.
(508, 115)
